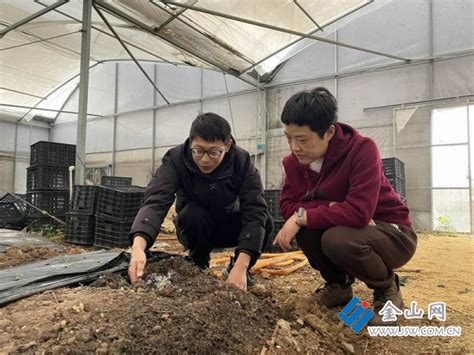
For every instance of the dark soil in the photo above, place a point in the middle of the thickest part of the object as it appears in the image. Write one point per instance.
(179, 309)
(176, 309)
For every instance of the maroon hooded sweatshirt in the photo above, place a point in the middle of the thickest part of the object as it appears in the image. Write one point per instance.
(352, 176)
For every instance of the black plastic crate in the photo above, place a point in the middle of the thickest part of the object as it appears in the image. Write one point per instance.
(53, 153)
(270, 248)
(16, 199)
(79, 228)
(84, 199)
(394, 167)
(272, 197)
(115, 181)
(10, 216)
(122, 202)
(47, 177)
(399, 186)
(112, 232)
(55, 203)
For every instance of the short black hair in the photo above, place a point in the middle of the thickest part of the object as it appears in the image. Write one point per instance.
(316, 108)
(210, 127)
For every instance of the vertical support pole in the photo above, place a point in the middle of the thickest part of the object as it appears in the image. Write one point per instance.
(202, 91)
(262, 117)
(394, 132)
(471, 210)
(153, 137)
(336, 64)
(114, 134)
(431, 94)
(14, 157)
(83, 91)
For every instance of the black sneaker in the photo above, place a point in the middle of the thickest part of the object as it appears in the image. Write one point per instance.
(225, 273)
(382, 296)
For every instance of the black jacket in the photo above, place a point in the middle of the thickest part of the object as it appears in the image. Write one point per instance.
(233, 187)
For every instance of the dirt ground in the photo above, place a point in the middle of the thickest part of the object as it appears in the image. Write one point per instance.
(180, 309)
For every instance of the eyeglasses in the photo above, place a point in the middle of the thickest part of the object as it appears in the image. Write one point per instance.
(213, 154)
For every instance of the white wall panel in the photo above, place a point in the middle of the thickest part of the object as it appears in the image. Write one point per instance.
(100, 135)
(6, 173)
(244, 112)
(135, 164)
(454, 77)
(101, 89)
(65, 133)
(316, 61)
(134, 130)
(98, 159)
(20, 174)
(28, 135)
(453, 29)
(178, 83)
(134, 90)
(173, 124)
(214, 84)
(399, 28)
(389, 87)
(7, 136)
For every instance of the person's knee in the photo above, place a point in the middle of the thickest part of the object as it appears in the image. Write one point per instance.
(336, 244)
(192, 216)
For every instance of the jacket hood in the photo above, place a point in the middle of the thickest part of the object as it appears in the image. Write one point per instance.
(340, 144)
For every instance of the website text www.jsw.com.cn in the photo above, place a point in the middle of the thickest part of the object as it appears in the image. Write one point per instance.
(357, 315)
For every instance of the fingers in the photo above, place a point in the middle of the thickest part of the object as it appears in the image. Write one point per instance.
(275, 241)
(140, 268)
(372, 223)
(285, 244)
(132, 272)
(136, 268)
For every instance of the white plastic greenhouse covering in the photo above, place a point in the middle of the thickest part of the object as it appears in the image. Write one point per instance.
(203, 62)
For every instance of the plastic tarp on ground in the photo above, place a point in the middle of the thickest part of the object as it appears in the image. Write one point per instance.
(12, 238)
(26, 280)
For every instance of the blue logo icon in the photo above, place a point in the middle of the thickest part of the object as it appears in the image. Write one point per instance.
(356, 314)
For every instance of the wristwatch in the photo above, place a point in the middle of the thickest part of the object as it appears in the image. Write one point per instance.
(299, 215)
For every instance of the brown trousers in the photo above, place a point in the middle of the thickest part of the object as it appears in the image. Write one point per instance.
(369, 254)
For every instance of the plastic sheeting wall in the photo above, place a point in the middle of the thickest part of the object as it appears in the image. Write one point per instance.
(414, 29)
(13, 163)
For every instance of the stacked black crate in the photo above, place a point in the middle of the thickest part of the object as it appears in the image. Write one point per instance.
(273, 202)
(47, 181)
(10, 216)
(394, 170)
(12, 211)
(116, 210)
(115, 181)
(80, 221)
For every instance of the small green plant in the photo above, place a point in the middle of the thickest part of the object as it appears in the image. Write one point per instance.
(444, 223)
(50, 232)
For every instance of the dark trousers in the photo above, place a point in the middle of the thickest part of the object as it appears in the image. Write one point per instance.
(369, 254)
(200, 232)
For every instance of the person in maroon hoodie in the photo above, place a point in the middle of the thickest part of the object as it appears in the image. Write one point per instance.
(339, 205)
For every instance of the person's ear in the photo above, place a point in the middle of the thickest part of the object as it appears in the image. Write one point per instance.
(330, 132)
(228, 145)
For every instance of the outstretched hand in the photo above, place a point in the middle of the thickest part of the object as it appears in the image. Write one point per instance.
(136, 268)
(286, 234)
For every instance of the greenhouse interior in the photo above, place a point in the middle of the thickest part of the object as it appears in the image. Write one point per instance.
(96, 94)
